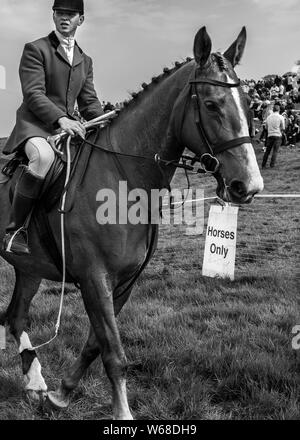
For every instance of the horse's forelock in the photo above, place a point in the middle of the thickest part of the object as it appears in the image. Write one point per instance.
(217, 63)
(221, 61)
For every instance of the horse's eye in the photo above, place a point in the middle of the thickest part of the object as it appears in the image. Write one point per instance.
(211, 106)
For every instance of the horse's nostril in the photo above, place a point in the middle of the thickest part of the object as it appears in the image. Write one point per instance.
(238, 188)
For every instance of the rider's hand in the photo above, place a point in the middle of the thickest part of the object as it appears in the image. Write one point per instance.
(71, 127)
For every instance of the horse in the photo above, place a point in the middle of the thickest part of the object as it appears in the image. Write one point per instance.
(197, 104)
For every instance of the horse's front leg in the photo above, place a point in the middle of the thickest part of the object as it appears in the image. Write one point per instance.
(97, 294)
(61, 397)
(26, 287)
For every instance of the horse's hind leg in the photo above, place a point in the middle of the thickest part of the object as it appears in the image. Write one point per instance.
(26, 287)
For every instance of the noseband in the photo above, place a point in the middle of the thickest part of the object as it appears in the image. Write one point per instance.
(208, 159)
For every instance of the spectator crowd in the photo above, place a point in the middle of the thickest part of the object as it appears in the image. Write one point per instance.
(282, 91)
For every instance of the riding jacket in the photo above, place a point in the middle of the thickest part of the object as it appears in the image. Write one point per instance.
(51, 87)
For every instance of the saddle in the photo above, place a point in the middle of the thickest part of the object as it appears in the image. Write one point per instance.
(54, 185)
(51, 193)
(48, 198)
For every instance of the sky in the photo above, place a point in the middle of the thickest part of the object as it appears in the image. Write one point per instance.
(132, 40)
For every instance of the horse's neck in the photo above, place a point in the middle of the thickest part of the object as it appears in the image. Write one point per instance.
(142, 127)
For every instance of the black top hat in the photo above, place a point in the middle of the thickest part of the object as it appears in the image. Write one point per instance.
(69, 5)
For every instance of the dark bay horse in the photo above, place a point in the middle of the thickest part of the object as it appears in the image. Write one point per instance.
(200, 105)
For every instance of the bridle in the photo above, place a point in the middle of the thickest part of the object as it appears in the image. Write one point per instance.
(207, 159)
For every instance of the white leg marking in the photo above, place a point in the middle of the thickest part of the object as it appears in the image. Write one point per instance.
(25, 343)
(121, 409)
(33, 379)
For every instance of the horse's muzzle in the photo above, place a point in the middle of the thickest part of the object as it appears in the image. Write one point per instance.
(239, 193)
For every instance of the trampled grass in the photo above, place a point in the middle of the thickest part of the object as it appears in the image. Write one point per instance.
(198, 348)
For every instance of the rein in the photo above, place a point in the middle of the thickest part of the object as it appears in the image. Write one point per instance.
(157, 159)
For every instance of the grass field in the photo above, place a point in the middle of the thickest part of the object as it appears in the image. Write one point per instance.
(198, 348)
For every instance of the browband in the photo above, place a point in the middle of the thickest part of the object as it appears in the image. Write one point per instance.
(214, 82)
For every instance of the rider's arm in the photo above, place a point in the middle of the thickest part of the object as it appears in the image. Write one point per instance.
(32, 76)
(88, 102)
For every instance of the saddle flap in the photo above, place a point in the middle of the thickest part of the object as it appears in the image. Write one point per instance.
(14, 180)
(11, 164)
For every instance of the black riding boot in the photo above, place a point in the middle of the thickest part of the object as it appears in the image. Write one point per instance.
(27, 191)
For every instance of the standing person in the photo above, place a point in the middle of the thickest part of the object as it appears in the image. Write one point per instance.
(281, 91)
(290, 106)
(275, 127)
(54, 74)
(277, 80)
(266, 111)
(108, 107)
(292, 131)
(289, 86)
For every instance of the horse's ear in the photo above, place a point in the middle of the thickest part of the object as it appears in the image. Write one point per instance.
(202, 47)
(235, 52)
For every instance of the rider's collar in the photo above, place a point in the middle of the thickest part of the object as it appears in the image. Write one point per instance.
(65, 41)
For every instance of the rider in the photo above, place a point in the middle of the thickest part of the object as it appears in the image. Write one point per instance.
(54, 74)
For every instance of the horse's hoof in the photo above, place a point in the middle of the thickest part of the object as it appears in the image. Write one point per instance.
(36, 396)
(127, 416)
(58, 400)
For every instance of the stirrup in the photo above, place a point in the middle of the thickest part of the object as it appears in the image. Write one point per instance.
(17, 243)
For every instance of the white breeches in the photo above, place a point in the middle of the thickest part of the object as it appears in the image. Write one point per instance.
(40, 155)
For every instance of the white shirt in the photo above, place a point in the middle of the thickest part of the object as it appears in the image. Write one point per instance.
(67, 43)
(275, 123)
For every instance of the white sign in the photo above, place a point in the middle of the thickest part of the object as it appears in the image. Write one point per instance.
(296, 339)
(2, 78)
(220, 243)
(2, 338)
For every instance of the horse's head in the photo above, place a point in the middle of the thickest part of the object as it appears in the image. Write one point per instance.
(213, 121)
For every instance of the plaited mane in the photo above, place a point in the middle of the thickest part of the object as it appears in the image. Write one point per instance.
(155, 80)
